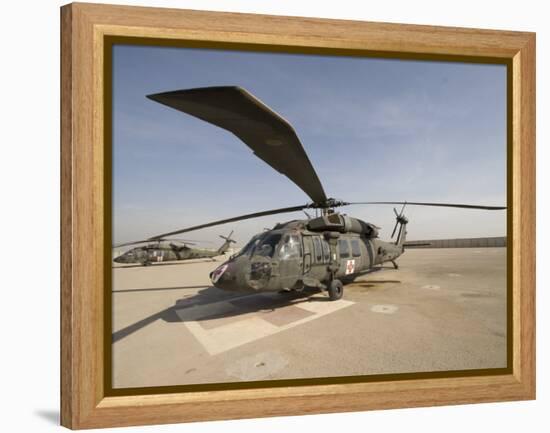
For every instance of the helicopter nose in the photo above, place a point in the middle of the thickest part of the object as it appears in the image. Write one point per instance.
(222, 277)
(229, 277)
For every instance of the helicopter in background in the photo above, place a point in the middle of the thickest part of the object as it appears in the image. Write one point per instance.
(322, 252)
(165, 250)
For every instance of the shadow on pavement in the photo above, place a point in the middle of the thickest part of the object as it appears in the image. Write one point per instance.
(213, 303)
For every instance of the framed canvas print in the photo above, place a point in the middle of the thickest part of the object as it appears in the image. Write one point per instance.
(265, 215)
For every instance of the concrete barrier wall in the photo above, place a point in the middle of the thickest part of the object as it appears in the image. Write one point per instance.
(458, 243)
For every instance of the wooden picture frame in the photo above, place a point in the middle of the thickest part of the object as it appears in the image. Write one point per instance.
(85, 217)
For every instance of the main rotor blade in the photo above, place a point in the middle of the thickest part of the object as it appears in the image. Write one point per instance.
(125, 244)
(230, 220)
(464, 206)
(146, 241)
(181, 241)
(270, 137)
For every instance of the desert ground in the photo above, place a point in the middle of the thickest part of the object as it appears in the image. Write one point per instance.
(442, 310)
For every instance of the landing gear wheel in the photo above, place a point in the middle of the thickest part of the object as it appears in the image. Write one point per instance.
(335, 290)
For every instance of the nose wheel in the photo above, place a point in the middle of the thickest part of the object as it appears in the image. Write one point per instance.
(335, 290)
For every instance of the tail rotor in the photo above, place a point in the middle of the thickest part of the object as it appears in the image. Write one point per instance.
(227, 243)
(396, 222)
(228, 238)
(401, 221)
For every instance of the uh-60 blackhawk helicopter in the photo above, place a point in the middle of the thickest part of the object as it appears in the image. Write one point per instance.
(166, 250)
(325, 251)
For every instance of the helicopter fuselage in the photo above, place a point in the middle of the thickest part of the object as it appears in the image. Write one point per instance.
(162, 250)
(155, 254)
(293, 256)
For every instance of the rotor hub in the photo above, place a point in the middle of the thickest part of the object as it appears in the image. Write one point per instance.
(329, 203)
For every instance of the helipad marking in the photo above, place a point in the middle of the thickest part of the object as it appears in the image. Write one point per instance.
(384, 309)
(251, 327)
(234, 334)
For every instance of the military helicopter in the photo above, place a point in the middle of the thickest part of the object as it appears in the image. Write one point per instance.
(324, 251)
(164, 249)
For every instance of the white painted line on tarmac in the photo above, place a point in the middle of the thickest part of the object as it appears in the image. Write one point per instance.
(226, 337)
(325, 307)
(252, 327)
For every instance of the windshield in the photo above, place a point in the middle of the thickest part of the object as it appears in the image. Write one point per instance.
(249, 247)
(263, 244)
(266, 245)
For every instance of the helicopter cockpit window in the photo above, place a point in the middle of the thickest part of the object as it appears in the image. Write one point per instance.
(290, 248)
(249, 247)
(326, 250)
(343, 247)
(318, 249)
(267, 245)
(355, 248)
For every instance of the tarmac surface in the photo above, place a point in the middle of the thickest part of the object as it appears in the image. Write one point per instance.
(442, 310)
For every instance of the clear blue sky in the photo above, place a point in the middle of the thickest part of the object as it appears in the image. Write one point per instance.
(374, 129)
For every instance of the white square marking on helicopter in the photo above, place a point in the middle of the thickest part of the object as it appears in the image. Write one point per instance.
(238, 325)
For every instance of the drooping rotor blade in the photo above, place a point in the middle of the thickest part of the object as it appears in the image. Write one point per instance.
(126, 244)
(230, 220)
(464, 206)
(181, 241)
(270, 136)
(146, 241)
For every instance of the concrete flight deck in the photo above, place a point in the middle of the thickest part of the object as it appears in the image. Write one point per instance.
(443, 309)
